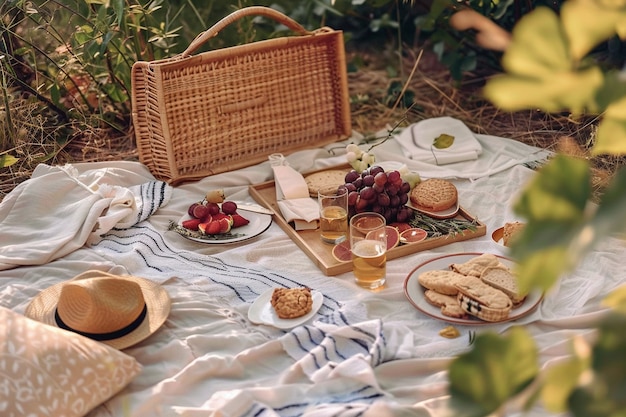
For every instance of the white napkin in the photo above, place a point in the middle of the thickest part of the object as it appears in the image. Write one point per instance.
(292, 195)
(417, 141)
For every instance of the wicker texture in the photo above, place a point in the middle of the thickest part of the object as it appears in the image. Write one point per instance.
(223, 110)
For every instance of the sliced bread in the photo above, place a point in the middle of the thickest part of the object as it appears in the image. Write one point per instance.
(504, 279)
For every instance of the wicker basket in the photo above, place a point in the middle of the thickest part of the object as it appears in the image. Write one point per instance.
(222, 110)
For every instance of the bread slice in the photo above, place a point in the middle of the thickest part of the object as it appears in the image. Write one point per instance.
(510, 231)
(503, 279)
(475, 266)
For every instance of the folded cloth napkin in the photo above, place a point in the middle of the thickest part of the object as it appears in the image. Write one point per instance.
(417, 140)
(58, 210)
(292, 195)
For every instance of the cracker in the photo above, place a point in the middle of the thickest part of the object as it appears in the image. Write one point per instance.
(441, 281)
(435, 194)
(323, 180)
(290, 303)
(449, 304)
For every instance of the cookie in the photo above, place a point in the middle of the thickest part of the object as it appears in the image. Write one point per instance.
(290, 303)
(441, 281)
(449, 304)
(323, 180)
(434, 194)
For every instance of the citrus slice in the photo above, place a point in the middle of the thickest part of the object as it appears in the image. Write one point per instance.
(341, 251)
(393, 236)
(412, 235)
(401, 226)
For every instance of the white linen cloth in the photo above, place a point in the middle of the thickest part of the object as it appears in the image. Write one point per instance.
(367, 353)
(58, 210)
(417, 141)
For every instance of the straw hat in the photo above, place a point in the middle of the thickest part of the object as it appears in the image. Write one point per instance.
(117, 310)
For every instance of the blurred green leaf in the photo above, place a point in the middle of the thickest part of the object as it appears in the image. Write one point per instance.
(612, 130)
(497, 368)
(584, 33)
(560, 381)
(616, 299)
(7, 160)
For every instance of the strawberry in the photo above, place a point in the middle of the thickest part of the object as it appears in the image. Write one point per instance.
(239, 220)
(191, 224)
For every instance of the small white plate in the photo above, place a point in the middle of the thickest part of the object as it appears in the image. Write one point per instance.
(258, 224)
(415, 292)
(262, 312)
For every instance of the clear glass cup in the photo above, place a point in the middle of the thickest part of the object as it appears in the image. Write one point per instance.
(368, 243)
(333, 205)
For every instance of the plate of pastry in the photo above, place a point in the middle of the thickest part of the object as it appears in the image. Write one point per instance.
(285, 308)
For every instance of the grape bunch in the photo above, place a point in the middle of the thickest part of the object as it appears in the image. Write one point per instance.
(378, 191)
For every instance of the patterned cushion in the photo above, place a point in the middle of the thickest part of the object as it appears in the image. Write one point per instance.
(46, 371)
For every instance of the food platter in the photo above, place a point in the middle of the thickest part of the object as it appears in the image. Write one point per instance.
(262, 312)
(415, 292)
(259, 223)
(321, 253)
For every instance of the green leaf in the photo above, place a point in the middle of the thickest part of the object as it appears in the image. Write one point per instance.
(584, 33)
(496, 369)
(558, 192)
(7, 160)
(616, 299)
(553, 92)
(539, 46)
(611, 133)
(443, 141)
(560, 381)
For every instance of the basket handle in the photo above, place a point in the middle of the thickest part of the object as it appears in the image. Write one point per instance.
(238, 14)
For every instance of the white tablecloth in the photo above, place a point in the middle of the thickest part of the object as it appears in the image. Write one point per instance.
(365, 353)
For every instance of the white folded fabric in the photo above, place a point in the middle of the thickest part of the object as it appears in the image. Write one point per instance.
(58, 210)
(417, 141)
(292, 195)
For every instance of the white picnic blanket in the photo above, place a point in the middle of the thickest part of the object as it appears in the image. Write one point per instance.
(364, 353)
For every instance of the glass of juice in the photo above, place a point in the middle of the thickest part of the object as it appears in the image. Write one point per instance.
(368, 243)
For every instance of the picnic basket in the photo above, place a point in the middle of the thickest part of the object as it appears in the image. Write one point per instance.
(222, 110)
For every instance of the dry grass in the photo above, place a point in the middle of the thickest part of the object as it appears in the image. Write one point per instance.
(436, 94)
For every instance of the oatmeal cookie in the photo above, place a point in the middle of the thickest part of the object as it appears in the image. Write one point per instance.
(290, 303)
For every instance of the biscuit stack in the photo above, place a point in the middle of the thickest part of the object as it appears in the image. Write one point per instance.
(482, 287)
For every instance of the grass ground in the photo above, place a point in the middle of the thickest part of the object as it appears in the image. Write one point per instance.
(435, 94)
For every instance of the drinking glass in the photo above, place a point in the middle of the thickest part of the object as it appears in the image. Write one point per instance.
(368, 243)
(333, 205)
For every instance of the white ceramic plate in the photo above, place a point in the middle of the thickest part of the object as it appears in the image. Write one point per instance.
(259, 223)
(443, 214)
(262, 312)
(415, 292)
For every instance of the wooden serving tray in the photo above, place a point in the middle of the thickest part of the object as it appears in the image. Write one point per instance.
(321, 253)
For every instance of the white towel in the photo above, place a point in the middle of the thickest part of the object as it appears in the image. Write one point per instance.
(58, 210)
(417, 141)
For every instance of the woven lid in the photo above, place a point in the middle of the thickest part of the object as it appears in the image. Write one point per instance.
(119, 311)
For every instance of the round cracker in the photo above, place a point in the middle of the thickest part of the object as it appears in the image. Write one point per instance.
(435, 194)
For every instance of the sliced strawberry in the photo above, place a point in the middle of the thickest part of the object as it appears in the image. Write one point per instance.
(239, 220)
(219, 216)
(191, 224)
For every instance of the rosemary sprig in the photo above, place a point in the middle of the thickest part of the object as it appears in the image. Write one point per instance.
(437, 228)
(173, 226)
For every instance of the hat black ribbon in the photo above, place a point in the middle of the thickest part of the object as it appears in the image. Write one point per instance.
(105, 336)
